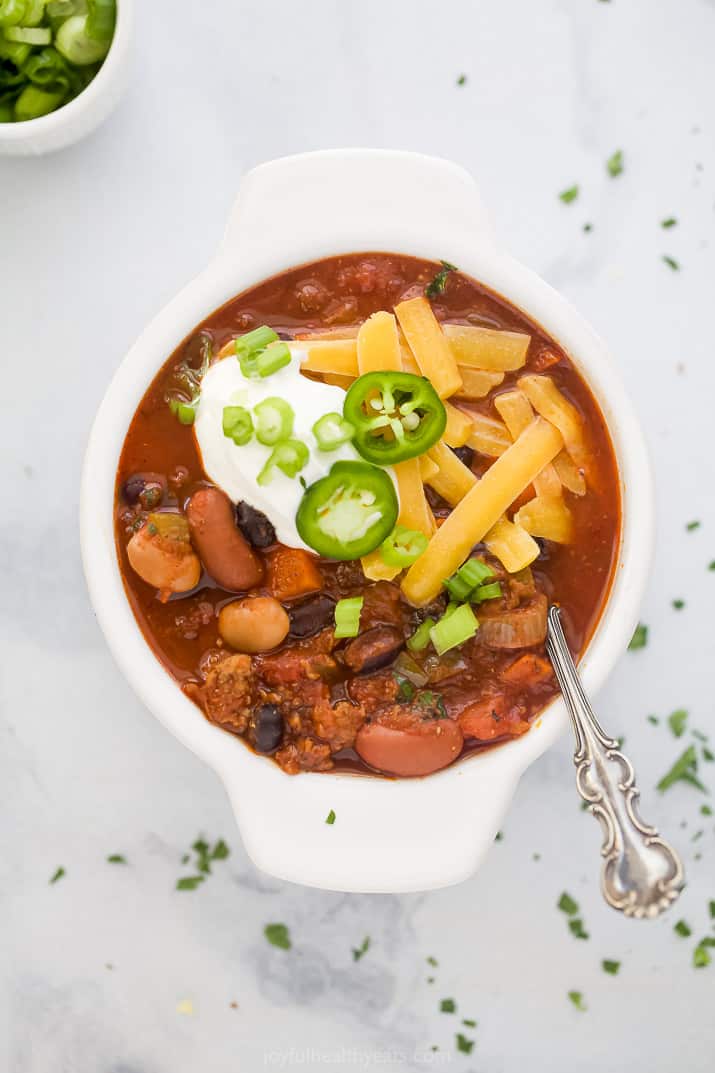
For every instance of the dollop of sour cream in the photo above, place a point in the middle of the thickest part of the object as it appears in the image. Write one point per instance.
(235, 469)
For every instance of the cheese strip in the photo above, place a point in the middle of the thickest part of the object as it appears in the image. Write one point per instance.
(459, 426)
(453, 480)
(481, 509)
(547, 518)
(569, 474)
(338, 356)
(338, 380)
(428, 468)
(547, 400)
(486, 348)
(477, 383)
(489, 436)
(427, 342)
(344, 331)
(512, 545)
(378, 344)
(517, 413)
(414, 513)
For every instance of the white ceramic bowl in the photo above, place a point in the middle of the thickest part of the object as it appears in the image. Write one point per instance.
(83, 114)
(401, 835)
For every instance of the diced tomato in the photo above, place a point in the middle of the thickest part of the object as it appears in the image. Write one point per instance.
(490, 718)
(527, 670)
(293, 572)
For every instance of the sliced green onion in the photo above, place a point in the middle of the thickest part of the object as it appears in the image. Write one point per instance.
(17, 54)
(454, 628)
(487, 592)
(289, 456)
(185, 411)
(237, 424)
(331, 431)
(29, 35)
(347, 616)
(274, 357)
(274, 420)
(471, 574)
(33, 103)
(60, 9)
(12, 12)
(403, 546)
(73, 42)
(421, 637)
(34, 11)
(101, 17)
(258, 339)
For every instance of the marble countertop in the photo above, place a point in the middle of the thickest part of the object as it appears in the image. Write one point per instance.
(110, 969)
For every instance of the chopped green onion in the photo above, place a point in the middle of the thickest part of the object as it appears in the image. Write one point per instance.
(347, 616)
(33, 103)
(258, 339)
(12, 12)
(101, 18)
(73, 42)
(611, 967)
(421, 637)
(453, 629)
(614, 164)
(274, 420)
(185, 411)
(487, 592)
(462, 584)
(16, 54)
(289, 456)
(639, 638)
(331, 431)
(237, 424)
(29, 35)
(60, 9)
(274, 357)
(403, 546)
(569, 195)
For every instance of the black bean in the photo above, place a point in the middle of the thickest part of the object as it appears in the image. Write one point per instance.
(464, 454)
(311, 616)
(373, 649)
(254, 525)
(146, 489)
(268, 728)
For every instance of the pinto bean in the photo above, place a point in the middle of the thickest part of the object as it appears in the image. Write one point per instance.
(255, 624)
(167, 563)
(418, 749)
(224, 551)
(373, 649)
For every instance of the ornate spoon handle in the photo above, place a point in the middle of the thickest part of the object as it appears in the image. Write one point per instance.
(642, 874)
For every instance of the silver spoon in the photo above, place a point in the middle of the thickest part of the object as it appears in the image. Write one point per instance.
(642, 875)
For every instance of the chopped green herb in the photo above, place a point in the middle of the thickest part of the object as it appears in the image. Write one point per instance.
(186, 858)
(577, 929)
(711, 908)
(220, 851)
(536, 856)
(697, 835)
(466, 1046)
(711, 566)
(614, 164)
(699, 735)
(670, 221)
(432, 961)
(499, 836)
(610, 967)
(692, 526)
(448, 1005)
(428, 699)
(567, 904)
(678, 604)
(705, 810)
(468, 1022)
(577, 998)
(189, 882)
(677, 721)
(359, 951)
(436, 286)
(330, 818)
(671, 262)
(683, 770)
(653, 719)
(639, 638)
(405, 690)
(701, 957)
(569, 195)
(116, 858)
(430, 979)
(462, 80)
(587, 228)
(683, 929)
(57, 875)
(278, 935)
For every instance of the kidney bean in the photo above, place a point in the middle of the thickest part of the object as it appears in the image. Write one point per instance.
(267, 728)
(417, 749)
(254, 525)
(311, 616)
(373, 649)
(224, 551)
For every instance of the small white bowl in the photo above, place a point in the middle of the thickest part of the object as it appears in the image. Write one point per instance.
(83, 114)
(389, 835)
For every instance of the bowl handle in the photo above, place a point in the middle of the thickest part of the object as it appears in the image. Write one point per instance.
(300, 208)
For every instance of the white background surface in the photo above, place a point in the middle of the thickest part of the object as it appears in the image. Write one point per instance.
(92, 242)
